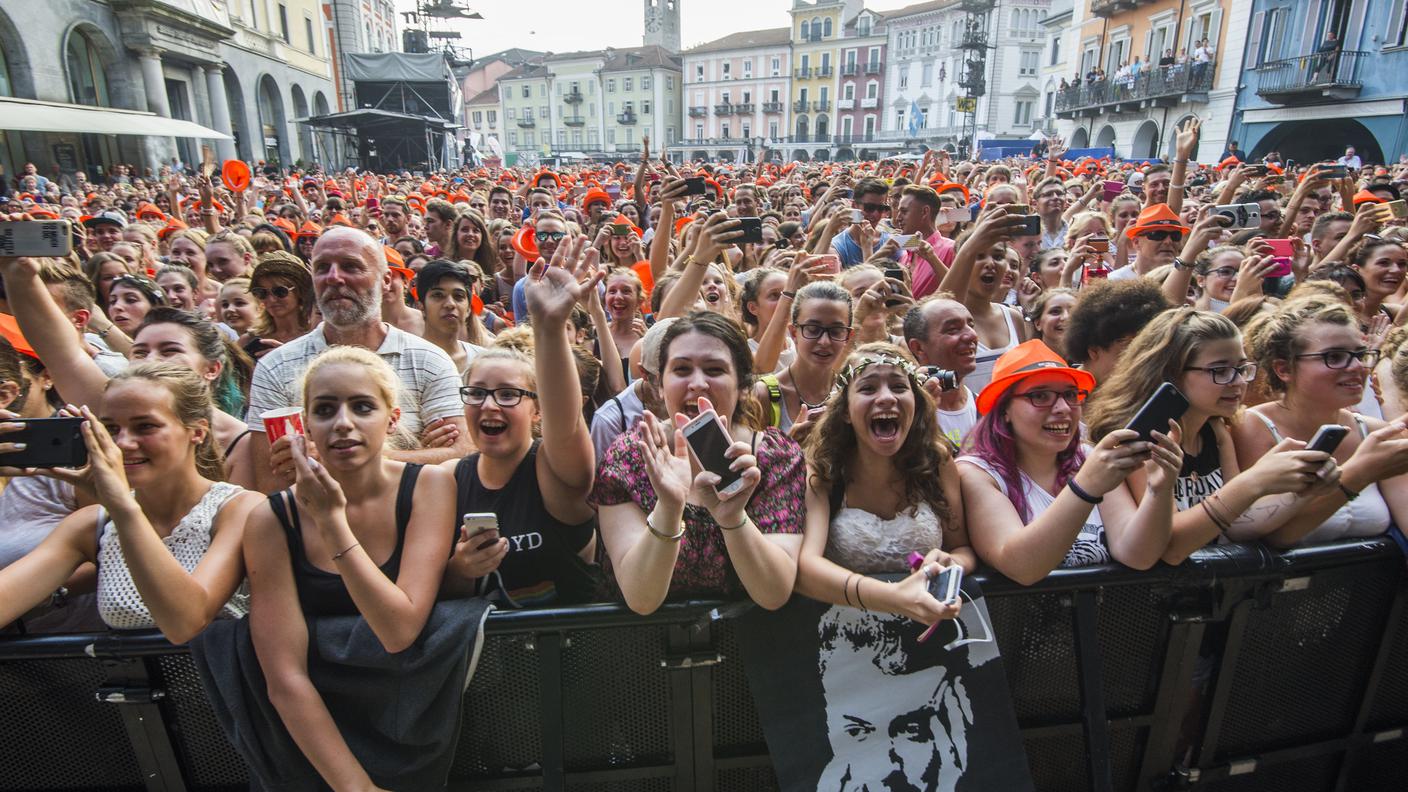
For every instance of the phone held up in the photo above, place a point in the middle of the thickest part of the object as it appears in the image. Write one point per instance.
(480, 523)
(1167, 404)
(709, 442)
(49, 443)
(36, 238)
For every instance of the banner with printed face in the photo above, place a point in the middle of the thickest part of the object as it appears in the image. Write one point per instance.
(851, 700)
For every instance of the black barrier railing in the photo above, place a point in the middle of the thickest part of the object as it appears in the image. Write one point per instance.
(1268, 671)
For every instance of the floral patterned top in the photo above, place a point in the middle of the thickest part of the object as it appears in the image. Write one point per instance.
(702, 568)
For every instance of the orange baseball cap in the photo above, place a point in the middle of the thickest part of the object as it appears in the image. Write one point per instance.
(1158, 217)
(1364, 196)
(1025, 360)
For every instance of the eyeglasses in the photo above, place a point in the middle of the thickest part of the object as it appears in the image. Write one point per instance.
(504, 397)
(1043, 399)
(1339, 358)
(1223, 272)
(1159, 236)
(812, 332)
(555, 236)
(1222, 375)
(279, 292)
(871, 208)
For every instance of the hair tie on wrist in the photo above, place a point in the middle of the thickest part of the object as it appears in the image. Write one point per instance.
(1082, 494)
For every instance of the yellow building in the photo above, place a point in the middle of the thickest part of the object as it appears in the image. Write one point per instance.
(816, 31)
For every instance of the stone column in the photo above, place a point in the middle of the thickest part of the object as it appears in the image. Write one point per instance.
(219, 109)
(159, 150)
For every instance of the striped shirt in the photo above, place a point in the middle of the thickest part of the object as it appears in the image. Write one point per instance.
(429, 384)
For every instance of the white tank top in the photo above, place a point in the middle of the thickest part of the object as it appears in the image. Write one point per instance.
(119, 603)
(987, 356)
(870, 544)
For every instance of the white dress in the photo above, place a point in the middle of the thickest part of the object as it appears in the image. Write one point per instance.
(869, 544)
(119, 603)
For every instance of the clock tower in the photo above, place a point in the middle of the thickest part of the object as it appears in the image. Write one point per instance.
(662, 24)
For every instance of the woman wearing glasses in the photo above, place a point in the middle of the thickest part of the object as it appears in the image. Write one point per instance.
(283, 285)
(1316, 362)
(820, 331)
(1201, 353)
(1036, 498)
(534, 466)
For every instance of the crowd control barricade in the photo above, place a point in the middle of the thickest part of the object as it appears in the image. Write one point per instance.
(1241, 669)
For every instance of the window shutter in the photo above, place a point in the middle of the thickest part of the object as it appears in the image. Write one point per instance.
(1253, 55)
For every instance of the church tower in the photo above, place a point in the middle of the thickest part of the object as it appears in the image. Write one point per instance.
(662, 24)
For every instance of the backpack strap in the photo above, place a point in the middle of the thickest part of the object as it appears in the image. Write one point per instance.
(775, 399)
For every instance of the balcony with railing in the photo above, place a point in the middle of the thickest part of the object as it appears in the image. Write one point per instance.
(573, 96)
(743, 108)
(723, 108)
(773, 107)
(1160, 86)
(852, 139)
(821, 105)
(574, 121)
(870, 103)
(698, 111)
(527, 123)
(1108, 8)
(1310, 78)
(628, 117)
(850, 69)
(799, 106)
(874, 67)
(845, 104)
(802, 72)
(824, 71)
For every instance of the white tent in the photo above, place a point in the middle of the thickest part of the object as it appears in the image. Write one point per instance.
(26, 115)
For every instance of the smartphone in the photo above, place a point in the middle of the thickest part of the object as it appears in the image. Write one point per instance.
(1246, 215)
(1399, 209)
(1027, 225)
(1112, 189)
(895, 273)
(477, 523)
(1256, 170)
(1017, 209)
(1096, 271)
(38, 238)
(1099, 244)
(1167, 403)
(253, 346)
(857, 217)
(1327, 438)
(955, 214)
(1333, 171)
(694, 185)
(708, 441)
(912, 242)
(945, 586)
(752, 228)
(830, 261)
(49, 443)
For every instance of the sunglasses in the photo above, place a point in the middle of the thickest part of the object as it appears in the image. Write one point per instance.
(1159, 236)
(261, 293)
(555, 236)
(871, 208)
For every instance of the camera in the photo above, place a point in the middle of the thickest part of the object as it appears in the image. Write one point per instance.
(948, 380)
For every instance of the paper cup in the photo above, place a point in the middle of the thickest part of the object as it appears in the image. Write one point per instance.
(285, 420)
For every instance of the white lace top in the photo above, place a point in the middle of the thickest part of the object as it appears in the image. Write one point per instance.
(869, 544)
(119, 603)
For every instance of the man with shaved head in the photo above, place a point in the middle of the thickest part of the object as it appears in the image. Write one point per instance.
(349, 277)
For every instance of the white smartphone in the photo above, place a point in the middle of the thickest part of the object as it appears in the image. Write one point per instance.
(708, 441)
(476, 523)
(38, 238)
(945, 586)
(857, 216)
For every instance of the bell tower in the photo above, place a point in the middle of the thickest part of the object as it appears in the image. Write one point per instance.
(662, 24)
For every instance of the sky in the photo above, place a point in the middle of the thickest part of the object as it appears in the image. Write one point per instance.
(559, 26)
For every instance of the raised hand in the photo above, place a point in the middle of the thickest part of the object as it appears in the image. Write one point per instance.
(726, 509)
(1117, 455)
(666, 462)
(1187, 139)
(318, 493)
(551, 291)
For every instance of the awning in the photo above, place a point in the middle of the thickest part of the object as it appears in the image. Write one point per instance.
(26, 115)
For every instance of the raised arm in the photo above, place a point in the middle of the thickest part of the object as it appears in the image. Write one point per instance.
(76, 375)
(1175, 286)
(1185, 144)
(717, 232)
(567, 454)
(994, 225)
(670, 190)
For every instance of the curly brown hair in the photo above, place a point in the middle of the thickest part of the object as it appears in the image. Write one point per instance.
(831, 447)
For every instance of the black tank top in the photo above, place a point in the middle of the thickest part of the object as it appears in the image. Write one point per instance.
(542, 566)
(322, 593)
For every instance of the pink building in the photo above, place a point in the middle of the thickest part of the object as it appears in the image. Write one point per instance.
(735, 95)
(860, 97)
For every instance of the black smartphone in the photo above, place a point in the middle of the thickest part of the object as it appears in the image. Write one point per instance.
(1030, 226)
(709, 442)
(895, 273)
(49, 443)
(1327, 438)
(752, 228)
(1168, 403)
(694, 185)
(1333, 171)
(253, 346)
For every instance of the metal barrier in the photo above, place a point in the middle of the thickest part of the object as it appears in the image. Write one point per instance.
(1308, 689)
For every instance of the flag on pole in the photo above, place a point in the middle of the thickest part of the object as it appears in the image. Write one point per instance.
(914, 119)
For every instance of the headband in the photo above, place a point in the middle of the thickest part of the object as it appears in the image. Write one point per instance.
(851, 371)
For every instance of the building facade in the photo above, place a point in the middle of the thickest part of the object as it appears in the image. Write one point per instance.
(642, 94)
(1308, 96)
(523, 93)
(1055, 66)
(736, 94)
(816, 30)
(1163, 61)
(860, 96)
(249, 70)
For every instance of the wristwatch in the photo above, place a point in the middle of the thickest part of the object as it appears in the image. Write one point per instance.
(1179, 264)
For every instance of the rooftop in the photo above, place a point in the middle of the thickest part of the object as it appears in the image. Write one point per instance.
(748, 39)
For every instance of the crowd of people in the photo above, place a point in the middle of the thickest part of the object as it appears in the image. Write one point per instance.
(892, 348)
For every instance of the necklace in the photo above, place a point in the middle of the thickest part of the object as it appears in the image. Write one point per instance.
(806, 405)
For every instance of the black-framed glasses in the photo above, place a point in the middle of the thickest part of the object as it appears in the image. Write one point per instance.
(1339, 358)
(279, 292)
(1043, 399)
(1223, 272)
(812, 332)
(504, 397)
(1222, 375)
(872, 208)
(1159, 236)
(556, 236)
